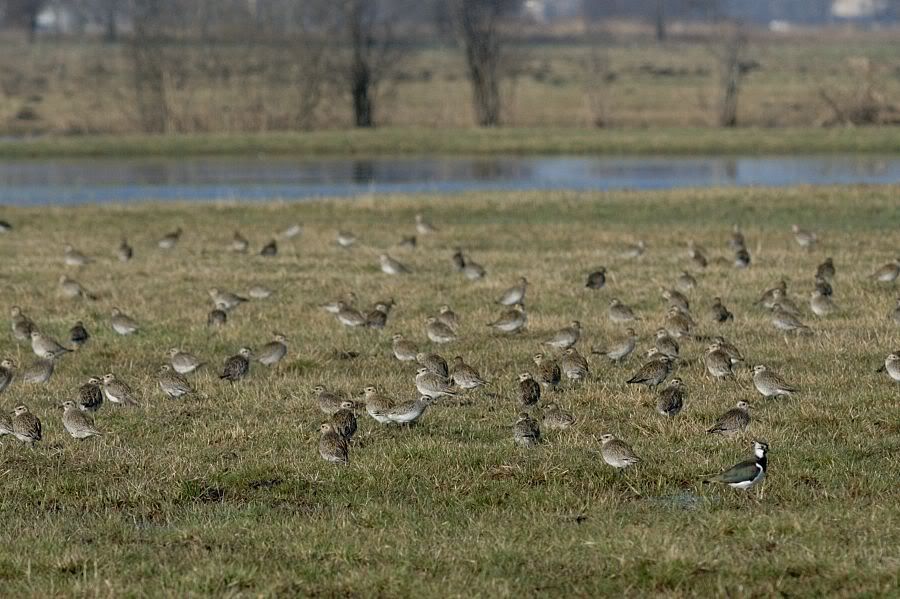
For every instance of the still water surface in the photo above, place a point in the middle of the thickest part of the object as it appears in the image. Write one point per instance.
(204, 179)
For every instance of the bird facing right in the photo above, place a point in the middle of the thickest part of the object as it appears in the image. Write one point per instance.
(617, 453)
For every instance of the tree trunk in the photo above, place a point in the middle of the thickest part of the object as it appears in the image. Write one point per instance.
(111, 33)
(360, 74)
(731, 79)
(485, 89)
(660, 20)
(149, 72)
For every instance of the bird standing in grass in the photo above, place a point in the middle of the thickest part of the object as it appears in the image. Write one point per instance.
(73, 257)
(465, 376)
(273, 352)
(597, 279)
(118, 391)
(805, 239)
(821, 305)
(826, 270)
(46, 347)
(448, 317)
(172, 384)
(71, 289)
(270, 249)
(391, 266)
(90, 395)
(529, 391)
(328, 401)
(566, 337)
(77, 422)
(378, 404)
(344, 420)
(26, 427)
(555, 418)
(438, 332)
(891, 366)
(717, 362)
(423, 227)
(887, 273)
(433, 385)
(548, 371)
(7, 372)
(617, 453)
(434, 363)
(619, 312)
(748, 473)
(183, 362)
(769, 383)
(718, 312)
(573, 365)
(515, 294)
(226, 300)
(78, 335)
(169, 240)
(653, 372)
(526, 431)
(237, 366)
(666, 344)
(403, 350)
(332, 445)
(122, 323)
(124, 252)
(671, 399)
(22, 326)
(510, 321)
(408, 412)
(619, 350)
(217, 317)
(734, 421)
(38, 372)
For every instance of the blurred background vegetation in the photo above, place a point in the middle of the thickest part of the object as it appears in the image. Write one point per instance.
(74, 67)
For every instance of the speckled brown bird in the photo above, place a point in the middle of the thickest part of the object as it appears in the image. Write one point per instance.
(333, 446)
(529, 394)
(573, 365)
(671, 399)
(237, 366)
(547, 371)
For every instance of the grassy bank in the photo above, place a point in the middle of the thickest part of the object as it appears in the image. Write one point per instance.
(470, 141)
(225, 494)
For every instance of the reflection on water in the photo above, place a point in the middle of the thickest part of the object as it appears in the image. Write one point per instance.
(112, 180)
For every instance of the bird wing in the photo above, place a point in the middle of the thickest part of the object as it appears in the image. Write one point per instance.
(746, 470)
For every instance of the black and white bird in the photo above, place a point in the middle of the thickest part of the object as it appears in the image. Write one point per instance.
(747, 473)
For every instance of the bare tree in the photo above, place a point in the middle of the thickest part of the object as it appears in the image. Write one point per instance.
(477, 24)
(734, 41)
(598, 74)
(24, 13)
(146, 51)
(660, 20)
(373, 53)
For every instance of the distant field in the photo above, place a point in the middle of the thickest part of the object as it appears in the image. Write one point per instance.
(225, 494)
(400, 141)
(60, 87)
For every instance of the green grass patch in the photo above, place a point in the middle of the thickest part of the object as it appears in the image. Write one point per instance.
(225, 493)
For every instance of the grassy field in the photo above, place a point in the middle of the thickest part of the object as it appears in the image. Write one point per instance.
(379, 142)
(72, 88)
(225, 494)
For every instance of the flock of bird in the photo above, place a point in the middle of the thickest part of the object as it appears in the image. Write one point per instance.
(436, 379)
